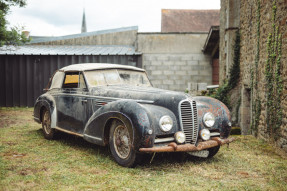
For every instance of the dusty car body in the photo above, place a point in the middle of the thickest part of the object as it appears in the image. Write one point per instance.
(116, 105)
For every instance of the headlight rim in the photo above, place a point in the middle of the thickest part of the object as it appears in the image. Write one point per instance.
(207, 132)
(177, 139)
(204, 119)
(161, 126)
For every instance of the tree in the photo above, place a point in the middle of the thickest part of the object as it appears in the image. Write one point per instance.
(14, 36)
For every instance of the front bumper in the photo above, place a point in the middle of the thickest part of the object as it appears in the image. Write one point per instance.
(173, 147)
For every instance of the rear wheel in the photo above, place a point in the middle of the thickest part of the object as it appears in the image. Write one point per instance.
(49, 133)
(121, 143)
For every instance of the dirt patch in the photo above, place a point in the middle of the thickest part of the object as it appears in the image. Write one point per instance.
(10, 143)
(30, 171)
(14, 155)
(10, 118)
(243, 174)
(6, 123)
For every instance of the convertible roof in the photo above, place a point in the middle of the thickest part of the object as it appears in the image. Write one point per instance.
(97, 66)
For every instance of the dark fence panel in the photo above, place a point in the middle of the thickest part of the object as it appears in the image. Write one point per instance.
(23, 77)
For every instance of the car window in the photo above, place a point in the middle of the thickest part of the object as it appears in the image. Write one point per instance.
(134, 78)
(112, 77)
(116, 76)
(103, 77)
(57, 80)
(74, 80)
(82, 83)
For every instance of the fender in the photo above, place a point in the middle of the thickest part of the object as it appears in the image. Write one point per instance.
(124, 110)
(220, 111)
(48, 102)
(155, 113)
(142, 117)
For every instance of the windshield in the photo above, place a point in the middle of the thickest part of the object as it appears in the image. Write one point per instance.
(116, 77)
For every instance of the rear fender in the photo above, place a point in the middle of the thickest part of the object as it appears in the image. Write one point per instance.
(45, 101)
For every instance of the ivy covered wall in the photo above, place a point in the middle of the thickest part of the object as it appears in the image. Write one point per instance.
(263, 69)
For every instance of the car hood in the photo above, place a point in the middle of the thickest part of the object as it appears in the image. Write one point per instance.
(165, 98)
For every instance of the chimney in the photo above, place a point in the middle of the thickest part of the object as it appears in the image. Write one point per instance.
(26, 34)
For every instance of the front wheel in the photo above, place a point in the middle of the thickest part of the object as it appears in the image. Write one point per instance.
(121, 143)
(49, 133)
(213, 151)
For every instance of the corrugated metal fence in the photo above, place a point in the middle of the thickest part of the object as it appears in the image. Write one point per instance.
(23, 77)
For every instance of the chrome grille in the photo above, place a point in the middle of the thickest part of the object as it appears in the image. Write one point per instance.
(188, 118)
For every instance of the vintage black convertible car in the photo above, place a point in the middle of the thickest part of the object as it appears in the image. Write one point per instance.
(116, 105)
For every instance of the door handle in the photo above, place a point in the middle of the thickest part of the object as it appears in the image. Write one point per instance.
(84, 101)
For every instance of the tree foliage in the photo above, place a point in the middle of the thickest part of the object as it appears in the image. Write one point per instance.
(14, 36)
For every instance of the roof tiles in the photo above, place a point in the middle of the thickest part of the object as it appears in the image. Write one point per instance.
(178, 20)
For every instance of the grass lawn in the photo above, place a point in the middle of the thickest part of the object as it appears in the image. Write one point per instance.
(29, 162)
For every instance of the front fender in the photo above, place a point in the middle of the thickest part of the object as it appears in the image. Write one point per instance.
(155, 113)
(128, 110)
(219, 110)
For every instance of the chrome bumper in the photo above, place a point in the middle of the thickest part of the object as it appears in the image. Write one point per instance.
(173, 147)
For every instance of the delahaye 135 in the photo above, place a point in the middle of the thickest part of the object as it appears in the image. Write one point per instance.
(116, 105)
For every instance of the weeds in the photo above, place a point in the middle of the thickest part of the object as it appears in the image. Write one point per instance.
(29, 162)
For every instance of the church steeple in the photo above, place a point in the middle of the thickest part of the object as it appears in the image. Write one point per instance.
(84, 26)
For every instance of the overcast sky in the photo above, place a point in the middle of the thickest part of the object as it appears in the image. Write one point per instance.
(64, 17)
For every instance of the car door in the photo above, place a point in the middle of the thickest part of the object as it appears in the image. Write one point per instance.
(72, 103)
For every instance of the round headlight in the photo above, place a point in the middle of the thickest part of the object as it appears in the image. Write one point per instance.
(165, 123)
(208, 119)
(179, 137)
(205, 134)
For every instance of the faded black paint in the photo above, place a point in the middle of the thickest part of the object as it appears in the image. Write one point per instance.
(88, 112)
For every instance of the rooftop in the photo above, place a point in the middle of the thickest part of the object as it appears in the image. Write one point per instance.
(80, 35)
(179, 20)
(69, 50)
(212, 40)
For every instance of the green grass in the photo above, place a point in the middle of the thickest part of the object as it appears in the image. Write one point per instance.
(29, 162)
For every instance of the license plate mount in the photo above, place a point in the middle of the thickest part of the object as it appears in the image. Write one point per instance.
(202, 154)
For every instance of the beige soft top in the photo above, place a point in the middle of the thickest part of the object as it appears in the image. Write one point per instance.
(97, 66)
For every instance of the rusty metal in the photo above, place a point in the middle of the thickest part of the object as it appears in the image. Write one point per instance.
(173, 147)
(69, 132)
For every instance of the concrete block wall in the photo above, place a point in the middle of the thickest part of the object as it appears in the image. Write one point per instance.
(175, 71)
(172, 60)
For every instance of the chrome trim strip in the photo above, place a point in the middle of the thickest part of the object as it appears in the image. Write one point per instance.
(36, 119)
(112, 98)
(161, 140)
(54, 117)
(69, 132)
(179, 109)
(193, 126)
(195, 119)
(213, 134)
(92, 137)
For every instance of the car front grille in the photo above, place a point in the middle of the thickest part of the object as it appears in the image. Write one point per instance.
(188, 119)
